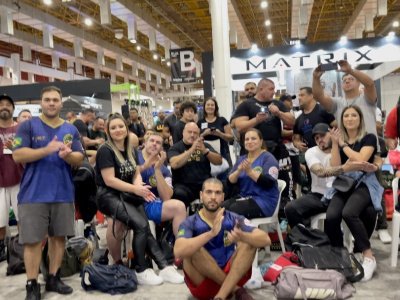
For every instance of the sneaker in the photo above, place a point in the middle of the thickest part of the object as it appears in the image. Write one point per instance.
(241, 294)
(148, 277)
(55, 284)
(171, 275)
(32, 290)
(384, 236)
(369, 266)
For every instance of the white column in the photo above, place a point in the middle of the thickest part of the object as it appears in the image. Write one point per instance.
(16, 68)
(6, 21)
(105, 12)
(26, 52)
(100, 57)
(48, 41)
(222, 54)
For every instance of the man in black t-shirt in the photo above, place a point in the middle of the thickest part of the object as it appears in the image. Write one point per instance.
(135, 125)
(171, 120)
(188, 111)
(85, 118)
(190, 161)
(266, 114)
(312, 114)
(97, 132)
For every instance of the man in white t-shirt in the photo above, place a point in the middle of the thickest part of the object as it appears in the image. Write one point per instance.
(322, 175)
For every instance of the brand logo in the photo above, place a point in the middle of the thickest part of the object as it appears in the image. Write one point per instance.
(67, 138)
(316, 293)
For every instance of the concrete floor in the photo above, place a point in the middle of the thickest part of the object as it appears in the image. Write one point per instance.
(385, 284)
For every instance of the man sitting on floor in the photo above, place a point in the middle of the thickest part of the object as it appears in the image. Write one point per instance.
(217, 247)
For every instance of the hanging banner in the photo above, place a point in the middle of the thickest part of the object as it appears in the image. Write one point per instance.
(183, 66)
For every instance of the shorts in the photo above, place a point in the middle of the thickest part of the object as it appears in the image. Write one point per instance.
(8, 197)
(39, 219)
(207, 289)
(154, 210)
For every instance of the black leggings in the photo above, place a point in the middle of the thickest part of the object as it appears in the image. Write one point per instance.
(247, 208)
(134, 217)
(357, 211)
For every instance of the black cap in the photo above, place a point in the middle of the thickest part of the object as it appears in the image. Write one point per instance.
(6, 97)
(320, 128)
(287, 97)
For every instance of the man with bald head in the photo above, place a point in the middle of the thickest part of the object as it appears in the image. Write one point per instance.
(190, 161)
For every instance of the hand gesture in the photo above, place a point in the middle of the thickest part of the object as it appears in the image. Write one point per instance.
(234, 235)
(246, 166)
(274, 109)
(54, 145)
(335, 135)
(9, 144)
(344, 66)
(302, 146)
(216, 132)
(100, 141)
(318, 72)
(144, 191)
(206, 132)
(65, 150)
(160, 160)
(261, 117)
(217, 224)
(201, 146)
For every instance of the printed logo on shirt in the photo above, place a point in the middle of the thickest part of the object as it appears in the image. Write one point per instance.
(181, 232)
(67, 138)
(153, 181)
(258, 169)
(196, 156)
(227, 242)
(17, 142)
(274, 172)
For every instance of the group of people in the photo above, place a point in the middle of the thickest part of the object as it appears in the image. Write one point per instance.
(156, 174)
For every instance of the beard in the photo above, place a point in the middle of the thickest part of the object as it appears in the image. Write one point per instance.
(5, 114)
(211, 209)
(250, 95)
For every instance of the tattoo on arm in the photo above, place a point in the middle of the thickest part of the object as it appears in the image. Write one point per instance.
(320, 171)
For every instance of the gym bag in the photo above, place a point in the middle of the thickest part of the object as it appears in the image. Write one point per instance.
(114, 279)
(15, 257)
(303, 236)
(286, 259)
(298, 283)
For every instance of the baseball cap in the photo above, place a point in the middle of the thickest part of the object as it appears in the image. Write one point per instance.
(320, 128)
(6, 97)
(287, 97)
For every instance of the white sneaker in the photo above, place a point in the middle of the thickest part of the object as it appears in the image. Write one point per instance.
(148, 277)
(384, 236)
(369, 266)
(171, 275)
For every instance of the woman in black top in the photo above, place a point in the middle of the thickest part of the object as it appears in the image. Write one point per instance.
(117, 176)
(358, 207)
(216, 128)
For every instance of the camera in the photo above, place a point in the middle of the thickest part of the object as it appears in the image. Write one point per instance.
(329, 66)
(263, 109)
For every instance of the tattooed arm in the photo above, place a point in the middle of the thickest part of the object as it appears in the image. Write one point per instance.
(320, 171)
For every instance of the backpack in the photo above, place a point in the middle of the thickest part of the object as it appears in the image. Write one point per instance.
(15, 257)
(85, 191)
(303, 236)
(111, 279)
(298, 283)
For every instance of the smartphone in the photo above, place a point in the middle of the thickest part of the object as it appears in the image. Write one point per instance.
(263, 109)
(329, 66)
(213, 128)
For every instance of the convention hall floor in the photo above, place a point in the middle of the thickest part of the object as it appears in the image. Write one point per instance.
(385, 284)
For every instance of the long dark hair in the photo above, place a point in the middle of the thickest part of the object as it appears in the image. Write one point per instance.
(216, 111)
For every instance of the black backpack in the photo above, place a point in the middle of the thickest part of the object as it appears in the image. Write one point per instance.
(15, 257)
(111, 279)
(301, 235)
(85, 191)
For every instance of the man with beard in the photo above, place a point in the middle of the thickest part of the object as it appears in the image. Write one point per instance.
(48, 146)
(10, 171)
(250, 89)
(322, 174)
(217, 247)
(190, 161)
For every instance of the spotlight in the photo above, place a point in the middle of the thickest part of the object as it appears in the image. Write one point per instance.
(155, 56)
(254, 47)
(395, 24)
(48, 2)
(88, 22)
(269, 36)
(264, 4)
(343, 40)
(133, 41)
(267, 23)
(119, 34)
(168, 63)
(138, 48)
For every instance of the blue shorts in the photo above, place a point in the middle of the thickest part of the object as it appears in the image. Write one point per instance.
(153, 210)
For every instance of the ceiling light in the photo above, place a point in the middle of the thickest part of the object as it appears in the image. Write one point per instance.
(267, 23)
(391, 34)
(155, 56)
(168, 63)
(343, 39)
(264, 4)
(396, 24)
(133, 41)
(138, 48)
(88, 22)
(254, 47)
(48, 2)
(269, 36)
(119, 34)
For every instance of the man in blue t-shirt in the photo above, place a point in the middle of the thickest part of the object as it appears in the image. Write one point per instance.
(217, 247)
(48, 146)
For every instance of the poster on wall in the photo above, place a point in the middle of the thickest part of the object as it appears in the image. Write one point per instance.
(183, 66)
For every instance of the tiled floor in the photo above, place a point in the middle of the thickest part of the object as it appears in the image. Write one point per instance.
(385, 284)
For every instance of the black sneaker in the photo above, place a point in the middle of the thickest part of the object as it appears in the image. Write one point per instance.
(55, 284)
(32, 290)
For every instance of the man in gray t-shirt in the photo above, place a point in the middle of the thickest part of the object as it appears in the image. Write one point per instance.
(351, 81)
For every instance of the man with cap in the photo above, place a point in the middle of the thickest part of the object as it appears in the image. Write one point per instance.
(10, 171)
(322, 174)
